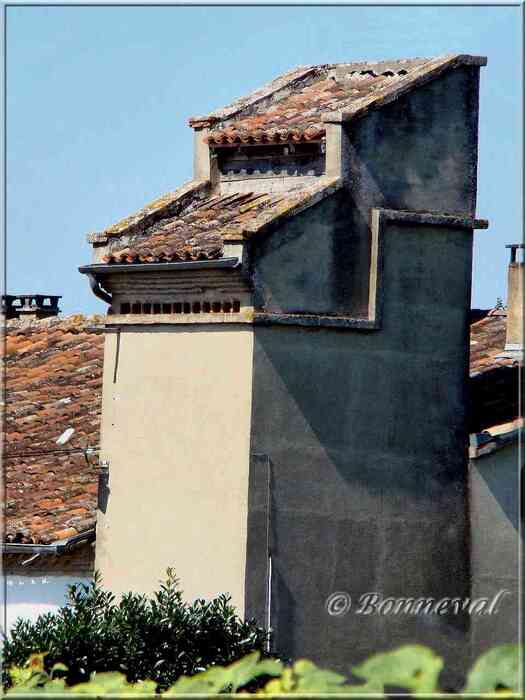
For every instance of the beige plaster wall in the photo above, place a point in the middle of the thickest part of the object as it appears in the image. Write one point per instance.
(175, 429)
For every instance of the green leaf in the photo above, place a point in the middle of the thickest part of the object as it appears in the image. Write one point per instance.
(241, 672)
(496, 671)
(19, 676)
(311, 679)
(58, 667)
(27, 678)
(373, 687)
(284, 684)
(306, 678)
(103, 683)
(214, 680)
(219, 679)
(36, 662)
(412, 667)
(55, 686)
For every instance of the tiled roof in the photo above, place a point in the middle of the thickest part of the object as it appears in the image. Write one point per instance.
(192, 224)
(487, 343)
(493, 376)
(53, 371)
(199, 231)
(296, 106)
(170, 204)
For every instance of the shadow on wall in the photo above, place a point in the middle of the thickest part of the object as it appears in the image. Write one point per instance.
(494, 398)
(366, 434)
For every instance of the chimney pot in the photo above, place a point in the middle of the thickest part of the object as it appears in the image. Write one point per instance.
(514, 339)
(30, 306)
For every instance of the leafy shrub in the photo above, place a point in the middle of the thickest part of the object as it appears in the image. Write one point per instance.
(412, 668)
(158, 638)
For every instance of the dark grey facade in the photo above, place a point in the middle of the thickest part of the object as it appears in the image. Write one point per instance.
(359, 435)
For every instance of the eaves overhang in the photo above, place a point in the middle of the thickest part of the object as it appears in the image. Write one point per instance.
(96, 271)
(59, 547)
(109, 269)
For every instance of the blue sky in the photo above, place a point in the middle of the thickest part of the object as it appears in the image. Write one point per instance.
(98, 99)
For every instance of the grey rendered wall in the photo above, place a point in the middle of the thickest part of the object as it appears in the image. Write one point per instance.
(495, 508)
(418, 153)
(303, 268)
(364, 434)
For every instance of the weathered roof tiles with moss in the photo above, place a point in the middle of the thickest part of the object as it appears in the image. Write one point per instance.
(199, 232)
(53, 382)
(296, 106)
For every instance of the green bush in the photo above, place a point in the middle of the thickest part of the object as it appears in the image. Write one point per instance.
(411, 668)
(158, 638)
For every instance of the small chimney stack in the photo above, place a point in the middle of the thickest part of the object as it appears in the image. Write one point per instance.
(515, 290)
(30, 306)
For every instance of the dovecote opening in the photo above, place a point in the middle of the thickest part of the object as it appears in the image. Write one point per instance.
(181, 308)
(251, 162)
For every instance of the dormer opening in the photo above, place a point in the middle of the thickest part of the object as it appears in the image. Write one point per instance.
(268, 167)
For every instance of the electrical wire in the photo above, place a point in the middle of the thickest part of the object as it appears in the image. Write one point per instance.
(85, 450)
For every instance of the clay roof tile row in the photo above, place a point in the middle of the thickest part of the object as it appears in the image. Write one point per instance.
(199, 233)
(53, 382)
(298, 113)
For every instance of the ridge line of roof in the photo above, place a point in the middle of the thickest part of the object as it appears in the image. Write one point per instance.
(420, 75)
(282, 81)
(42, 323)
(146, 216)
(302, 73)
(299, 74)
(432, 217)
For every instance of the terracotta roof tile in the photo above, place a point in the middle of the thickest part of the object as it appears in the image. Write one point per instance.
(199, 232)
(296, 106)
(487, 343)
(53, 382)
(169, 204)
(192, 224)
